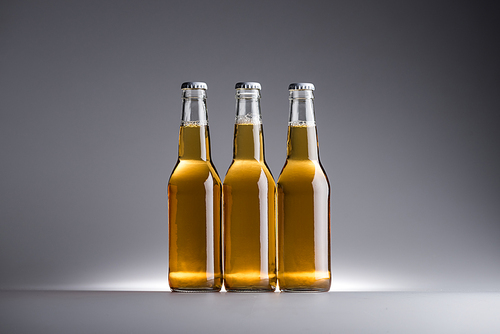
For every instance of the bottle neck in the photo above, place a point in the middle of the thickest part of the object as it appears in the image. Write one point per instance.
(302, 141)
(194, 107)
(248, 106)
(194, 138)
(302, 108)
(194, 142)
(248, 137)
(248, 142)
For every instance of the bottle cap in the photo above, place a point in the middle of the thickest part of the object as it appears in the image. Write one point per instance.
(247, 85)
(301, 86)
(194, 85)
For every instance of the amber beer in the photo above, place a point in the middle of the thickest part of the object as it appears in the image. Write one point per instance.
(194, 202)
(249, 194)
(303, 202)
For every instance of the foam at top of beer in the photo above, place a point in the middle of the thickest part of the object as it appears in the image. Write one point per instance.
(302, 123)
(246, 119)
(194, 123)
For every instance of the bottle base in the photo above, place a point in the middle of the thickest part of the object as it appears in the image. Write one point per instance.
(249, 290)
(303, 290)
(192, 290)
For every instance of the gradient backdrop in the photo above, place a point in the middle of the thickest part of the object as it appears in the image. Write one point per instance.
(407, 104)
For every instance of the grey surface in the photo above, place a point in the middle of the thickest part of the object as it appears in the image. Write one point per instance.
(407, 106)
(151, 312)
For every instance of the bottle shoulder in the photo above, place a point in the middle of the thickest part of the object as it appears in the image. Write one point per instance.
(302, 171)
(247, 171)
(194, 171)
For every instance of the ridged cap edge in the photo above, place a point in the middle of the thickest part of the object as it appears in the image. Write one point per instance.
(194, 85)
(247, 85)
(301, 86)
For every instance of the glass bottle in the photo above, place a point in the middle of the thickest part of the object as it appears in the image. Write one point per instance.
(249, 197)
(194, 202)
(303, 202)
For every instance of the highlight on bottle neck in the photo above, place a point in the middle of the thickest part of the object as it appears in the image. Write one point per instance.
(194, 106)
(248, 103)
(301, 105)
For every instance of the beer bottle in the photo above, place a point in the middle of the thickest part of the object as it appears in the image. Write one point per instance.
(303, 202)
(249, 195)
(194, 202)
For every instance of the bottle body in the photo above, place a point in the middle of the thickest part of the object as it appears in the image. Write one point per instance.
(194, 211)
(303, 212)
(249, 208)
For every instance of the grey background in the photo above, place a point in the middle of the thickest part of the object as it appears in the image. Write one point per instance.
(407, 104)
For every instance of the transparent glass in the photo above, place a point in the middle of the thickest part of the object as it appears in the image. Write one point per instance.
(194, 204)
(303, 205)
(249, 199)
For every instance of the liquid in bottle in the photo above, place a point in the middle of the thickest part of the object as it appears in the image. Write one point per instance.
(303, 202)
(194, 202)
(249, 196)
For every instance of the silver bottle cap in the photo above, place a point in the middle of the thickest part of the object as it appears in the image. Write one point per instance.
(194, 85)
(247, 85)
(301, 86)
